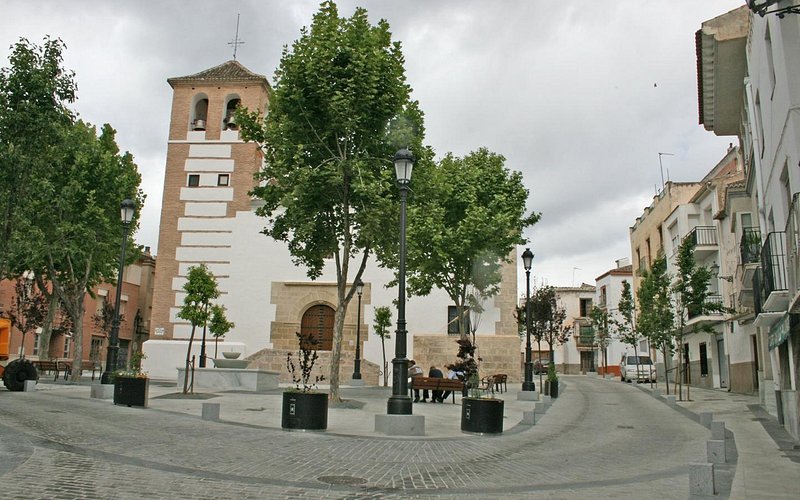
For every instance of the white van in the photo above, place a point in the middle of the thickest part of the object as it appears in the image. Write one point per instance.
(639, 368)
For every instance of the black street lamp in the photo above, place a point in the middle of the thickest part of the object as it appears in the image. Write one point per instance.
(400, 402)
(127, 208)
(761, 7)
(357, 362)
(527, 261)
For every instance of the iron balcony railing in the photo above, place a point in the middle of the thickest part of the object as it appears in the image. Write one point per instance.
(695, 310)
(773, 263)
(750, 246)
(793, 240)
(703, 235)
(758, 292)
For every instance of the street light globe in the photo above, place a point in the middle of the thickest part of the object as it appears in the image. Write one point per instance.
(527, 259)
(127, 208)
(403, 164)
(359, 287)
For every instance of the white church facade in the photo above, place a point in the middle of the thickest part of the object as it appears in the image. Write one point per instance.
(208, 216)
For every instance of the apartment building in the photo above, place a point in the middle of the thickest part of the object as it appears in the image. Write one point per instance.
(136, 299)
(608, 292)
(749, 87)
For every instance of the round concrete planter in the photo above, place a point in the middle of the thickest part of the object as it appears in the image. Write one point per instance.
(231, 355)
(482, 415)
(305, 411)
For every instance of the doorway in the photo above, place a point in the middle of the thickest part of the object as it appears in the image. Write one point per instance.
(587, 362)
(722, 362)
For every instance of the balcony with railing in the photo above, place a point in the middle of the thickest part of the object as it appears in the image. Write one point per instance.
(704, 239)
(793, 260)
(584, 337)
(749, 253)
(763, 316)
(773, 272)
(700, 315)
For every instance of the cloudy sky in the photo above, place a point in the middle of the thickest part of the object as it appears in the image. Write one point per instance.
(579, 95)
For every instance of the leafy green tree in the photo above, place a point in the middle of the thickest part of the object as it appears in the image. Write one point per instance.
(28, 308)
(34, 93)
(656, 319)
(468, 215)
(626, 325)
(381, 324)
(691, 299)
(72, 225)
(219, 324)
(201, 288)
(600, 322)
(547, 319)
(339, 111)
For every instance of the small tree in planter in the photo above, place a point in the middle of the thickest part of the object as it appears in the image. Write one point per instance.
(131, 385)
(303, 407)
(552, 380)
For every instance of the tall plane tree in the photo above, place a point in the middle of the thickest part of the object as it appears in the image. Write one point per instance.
(339, 111)
(34, 94)
(468, 215)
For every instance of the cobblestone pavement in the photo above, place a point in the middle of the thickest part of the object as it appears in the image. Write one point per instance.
(599, 439)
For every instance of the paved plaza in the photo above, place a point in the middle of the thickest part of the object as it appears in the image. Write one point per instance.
(600, 439)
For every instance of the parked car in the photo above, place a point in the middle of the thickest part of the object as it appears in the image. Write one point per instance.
(540, 366)
(639, 368)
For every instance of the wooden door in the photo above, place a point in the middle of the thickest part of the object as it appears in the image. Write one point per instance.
(318, 321)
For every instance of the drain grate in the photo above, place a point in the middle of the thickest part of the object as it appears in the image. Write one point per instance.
(342, 480)
(54, 411)
(624, 427)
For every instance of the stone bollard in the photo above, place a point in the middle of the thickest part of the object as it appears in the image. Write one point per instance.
(715, 451)
(670, 398)
(528, 417)
(706, 417)
(210, 411)
(547, 400)
(701, 479)
(718, 431)
(656, 392)
(540, 408)
(30, 386)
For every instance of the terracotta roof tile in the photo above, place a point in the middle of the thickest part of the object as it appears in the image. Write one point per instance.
(230, 71)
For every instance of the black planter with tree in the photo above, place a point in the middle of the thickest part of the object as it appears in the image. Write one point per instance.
(303, 407)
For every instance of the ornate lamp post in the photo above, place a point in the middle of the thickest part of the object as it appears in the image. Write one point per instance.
(127, 209)
(357, 362)
(527, 261)
(399, 402)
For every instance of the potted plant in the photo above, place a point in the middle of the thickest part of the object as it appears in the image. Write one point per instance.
(131, 386)
(480, 413)
(304, 408)
(551, 384)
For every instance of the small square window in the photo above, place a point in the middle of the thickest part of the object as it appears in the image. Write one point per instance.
(223, 179)
(194, 180)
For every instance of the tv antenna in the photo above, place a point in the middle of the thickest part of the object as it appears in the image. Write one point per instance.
(660, 165)
(236, 42)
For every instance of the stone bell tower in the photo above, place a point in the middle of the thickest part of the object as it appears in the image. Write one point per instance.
(209, 173)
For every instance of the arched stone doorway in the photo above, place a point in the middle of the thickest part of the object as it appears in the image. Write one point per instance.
(318, 321)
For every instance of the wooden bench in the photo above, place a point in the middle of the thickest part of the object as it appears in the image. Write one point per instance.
(47, 366)
(438, 384)
(85, 366)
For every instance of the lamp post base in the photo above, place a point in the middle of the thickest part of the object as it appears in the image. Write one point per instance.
(398, 405)
(528, 386)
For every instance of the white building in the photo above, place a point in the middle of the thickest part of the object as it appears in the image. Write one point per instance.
(208, 216)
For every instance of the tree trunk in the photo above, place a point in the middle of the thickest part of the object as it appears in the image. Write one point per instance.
(188, 360)
(385, 375)
(77, 336)
(336, 353)
(47, 327)
(666, 366)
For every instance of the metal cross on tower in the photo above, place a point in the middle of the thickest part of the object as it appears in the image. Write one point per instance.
(236, 42)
